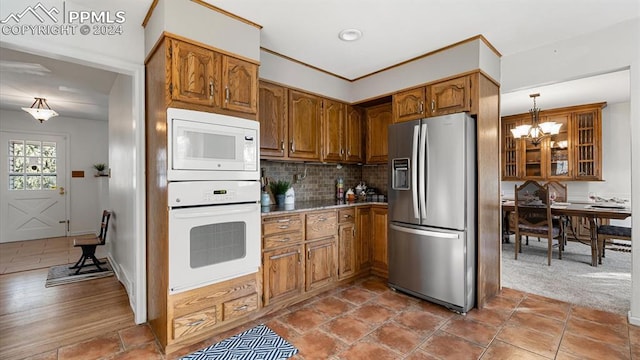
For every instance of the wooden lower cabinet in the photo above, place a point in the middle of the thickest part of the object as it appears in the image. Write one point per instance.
(306, 252)
(363, 238)
(320, 264)
(283, 273)
(197, 312)
(380, 261)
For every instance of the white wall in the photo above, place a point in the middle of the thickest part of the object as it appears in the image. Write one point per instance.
(122, 185)
(465, 57)
(196, 22)
(87, 144)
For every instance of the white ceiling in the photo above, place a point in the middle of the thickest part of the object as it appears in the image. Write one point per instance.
(393, 31)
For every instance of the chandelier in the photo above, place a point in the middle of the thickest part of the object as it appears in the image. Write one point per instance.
(536, 131)
(40, 110)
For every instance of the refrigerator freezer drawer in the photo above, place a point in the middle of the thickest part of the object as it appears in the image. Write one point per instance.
(431, 263)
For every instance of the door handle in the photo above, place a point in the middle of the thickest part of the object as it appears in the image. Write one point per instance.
(61, 190)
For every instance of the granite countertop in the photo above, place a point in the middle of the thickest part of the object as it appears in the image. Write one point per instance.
(314, 205)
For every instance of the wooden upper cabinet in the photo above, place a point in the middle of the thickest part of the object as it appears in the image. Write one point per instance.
(409, 105)
(240, 82)
(354, 125)
(304, 125)
(575, 153)
(450, 96)
(272, 115)
(195, 74)
(379, 118)
(510, 147)
(333, 113)
(587, 142)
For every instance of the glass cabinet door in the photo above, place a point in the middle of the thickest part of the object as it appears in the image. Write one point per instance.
(560, 155)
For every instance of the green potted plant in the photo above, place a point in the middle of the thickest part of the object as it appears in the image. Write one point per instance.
(279, 188)
(100, 167)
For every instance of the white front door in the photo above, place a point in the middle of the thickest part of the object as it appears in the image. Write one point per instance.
(33, 186)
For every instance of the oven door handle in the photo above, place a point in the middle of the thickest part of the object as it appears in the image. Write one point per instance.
(222, 211)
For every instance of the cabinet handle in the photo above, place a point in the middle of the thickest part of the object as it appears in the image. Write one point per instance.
(196, 323)
(226, 93)
(421, 107)
(299, 257)
(283, 227)
(284, 240)
(322, 219)
(293, 147)
(308, 254)
(353, 231)
(346, 216)
(210, 89)
(349, 152)
(282, 146)
(284, 220)
(241, 308)
(341, 152)
(433, 105)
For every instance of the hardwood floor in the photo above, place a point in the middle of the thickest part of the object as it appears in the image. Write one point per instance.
(35, 319)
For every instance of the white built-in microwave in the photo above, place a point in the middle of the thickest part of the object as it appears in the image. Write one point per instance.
(209, 146)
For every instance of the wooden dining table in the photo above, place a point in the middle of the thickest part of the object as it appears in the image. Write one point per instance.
(591, 211)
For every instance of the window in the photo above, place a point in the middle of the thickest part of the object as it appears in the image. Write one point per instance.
(32, 165)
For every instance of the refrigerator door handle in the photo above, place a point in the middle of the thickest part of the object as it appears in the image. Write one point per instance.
(423, 168)
(424, 232)
(414, 172)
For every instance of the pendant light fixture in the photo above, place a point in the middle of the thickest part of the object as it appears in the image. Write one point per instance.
(40, 110)
(536, 131)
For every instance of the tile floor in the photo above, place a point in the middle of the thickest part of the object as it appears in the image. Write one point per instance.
(366, 320)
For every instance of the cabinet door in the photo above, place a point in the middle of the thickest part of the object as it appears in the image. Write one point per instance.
(304, 126)
(353, 135)
(332, 130)
(409, 105)
(378, 121)
(448, 97)
(320, 264)
(195, 74)
(587, 137)
(363, 238)
(272, 116)
(346, 250)
(240, 81)
(510, 146)
(282, 273)
(379, 238)
(560, 155)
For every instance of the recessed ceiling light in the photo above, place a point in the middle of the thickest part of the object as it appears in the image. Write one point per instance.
(350, 34)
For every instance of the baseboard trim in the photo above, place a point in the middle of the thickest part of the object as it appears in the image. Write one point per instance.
(633, 320)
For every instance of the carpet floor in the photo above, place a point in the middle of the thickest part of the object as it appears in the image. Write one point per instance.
(572, 279)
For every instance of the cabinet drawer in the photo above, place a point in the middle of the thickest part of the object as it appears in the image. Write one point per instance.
(194, 322)
(239, 307)
(321, 224)
(347, 215)
(281, 224)
(277, 240)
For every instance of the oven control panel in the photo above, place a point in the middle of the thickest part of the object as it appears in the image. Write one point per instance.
(195, 193)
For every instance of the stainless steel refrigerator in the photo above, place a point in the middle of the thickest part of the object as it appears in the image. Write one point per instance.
(432, 209)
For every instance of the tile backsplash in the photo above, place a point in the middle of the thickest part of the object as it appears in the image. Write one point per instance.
(320, 180)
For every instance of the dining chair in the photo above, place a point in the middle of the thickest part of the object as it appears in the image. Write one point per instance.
(90, 244)
(533, 217)
(609, 232)
(558, 192)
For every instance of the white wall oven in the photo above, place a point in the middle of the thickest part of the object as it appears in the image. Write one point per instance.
(208, 146)
(214, 232)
